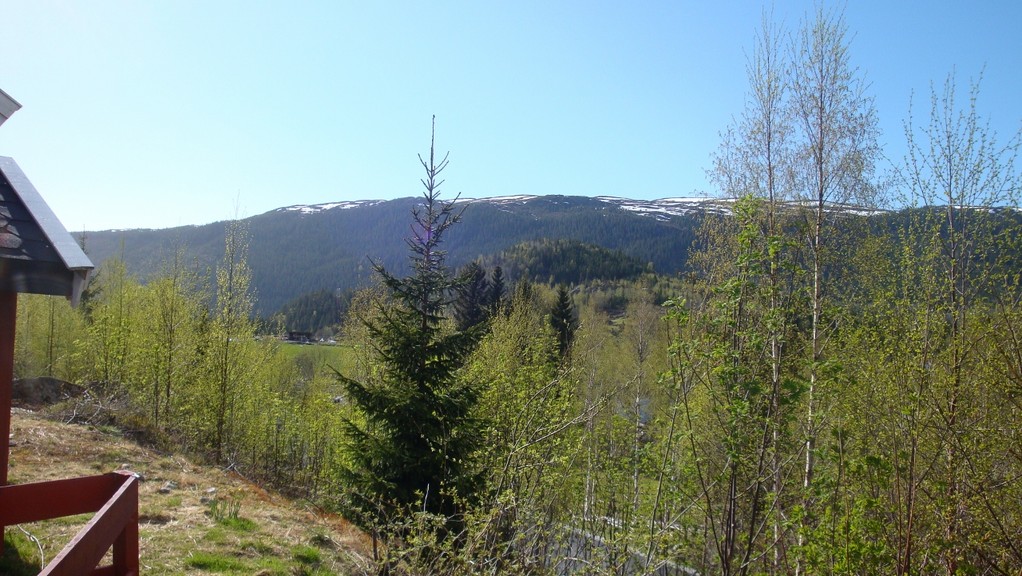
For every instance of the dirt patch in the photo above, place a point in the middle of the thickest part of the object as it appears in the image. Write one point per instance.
(35, 393)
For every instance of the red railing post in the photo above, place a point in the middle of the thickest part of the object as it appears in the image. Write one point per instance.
(125, 552)
(8, 323)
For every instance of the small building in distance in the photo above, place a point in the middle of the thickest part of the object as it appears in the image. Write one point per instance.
(299, 337)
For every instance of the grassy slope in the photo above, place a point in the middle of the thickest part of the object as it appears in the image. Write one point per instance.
(178, 535)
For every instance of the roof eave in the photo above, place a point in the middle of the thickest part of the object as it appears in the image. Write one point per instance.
(8, 106)
(70, 253)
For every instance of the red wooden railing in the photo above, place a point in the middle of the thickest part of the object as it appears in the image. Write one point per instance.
(114, 499)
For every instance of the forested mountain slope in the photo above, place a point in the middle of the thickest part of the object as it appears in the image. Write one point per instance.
(301, 249)
(298, 250)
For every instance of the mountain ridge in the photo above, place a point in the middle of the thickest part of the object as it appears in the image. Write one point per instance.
(671, 206)
(302, 248)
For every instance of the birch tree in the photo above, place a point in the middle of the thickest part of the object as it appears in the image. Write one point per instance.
(755, 161)
(835, 147)
(959, 177)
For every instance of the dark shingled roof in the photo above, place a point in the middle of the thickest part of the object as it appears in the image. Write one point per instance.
(37, 255)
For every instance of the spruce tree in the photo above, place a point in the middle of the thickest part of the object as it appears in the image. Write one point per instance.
(471, 307)
(412, 444)
(562, 318)
(497, 291)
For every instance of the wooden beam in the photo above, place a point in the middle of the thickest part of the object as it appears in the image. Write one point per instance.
(56, 498)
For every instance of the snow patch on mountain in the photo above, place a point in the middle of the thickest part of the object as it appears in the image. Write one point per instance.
(317, 208)
(499, 200)
(665, 208)
(662, 209)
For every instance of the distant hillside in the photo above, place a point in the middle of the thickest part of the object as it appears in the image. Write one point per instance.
(302, 249)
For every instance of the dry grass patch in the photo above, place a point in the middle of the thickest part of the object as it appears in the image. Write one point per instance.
(180, 527)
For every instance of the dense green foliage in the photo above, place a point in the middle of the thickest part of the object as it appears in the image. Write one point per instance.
(179, 361)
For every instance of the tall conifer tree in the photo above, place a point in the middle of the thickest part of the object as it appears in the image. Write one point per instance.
(413, 442)
(471, 306)
(563, 319)
(496, 292)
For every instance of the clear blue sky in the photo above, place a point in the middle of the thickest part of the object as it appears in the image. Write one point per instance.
(158, 114)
